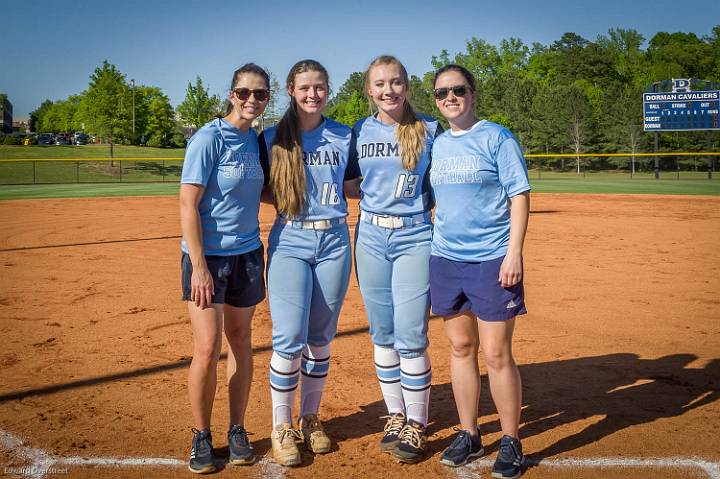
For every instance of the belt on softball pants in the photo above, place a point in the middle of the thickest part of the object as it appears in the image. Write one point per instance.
(394, 222)
(314, 225)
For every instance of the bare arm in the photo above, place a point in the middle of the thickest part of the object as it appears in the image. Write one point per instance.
(352, 188)
(201, 283)
(267, 196)
(511, 270)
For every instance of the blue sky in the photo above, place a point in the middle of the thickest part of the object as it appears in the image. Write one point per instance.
(50, 48)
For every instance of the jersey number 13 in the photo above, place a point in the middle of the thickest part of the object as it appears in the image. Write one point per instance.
(406, 186)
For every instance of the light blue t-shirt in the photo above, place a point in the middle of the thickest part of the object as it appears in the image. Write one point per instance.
(473, 174)
(227, 163)
(325, 155)
(387, 187)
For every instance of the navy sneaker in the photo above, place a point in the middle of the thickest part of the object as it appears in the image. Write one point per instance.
(239, 448)
(395, 423)
(411, 448)
(510, 459)
(463, 448)
(202, 459)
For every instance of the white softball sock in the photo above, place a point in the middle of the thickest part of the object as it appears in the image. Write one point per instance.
(314, 368)
(284, 376)
(387, 368)
(415, 379)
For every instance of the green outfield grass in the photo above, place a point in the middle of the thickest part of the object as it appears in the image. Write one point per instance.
(626, 186)
(87, 151)
(24, 192)
(619, 175)
(577, 185)
(88, 171)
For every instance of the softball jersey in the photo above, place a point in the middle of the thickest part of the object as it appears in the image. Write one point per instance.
(226, 161)
(387, 187)
(325, 155)
(473, 175)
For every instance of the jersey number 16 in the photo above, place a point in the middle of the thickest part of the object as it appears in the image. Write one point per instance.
(329, 195)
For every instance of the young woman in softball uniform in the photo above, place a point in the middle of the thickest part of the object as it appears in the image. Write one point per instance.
(480, 184)
(309, 257)
(392, 251)
(223, 259)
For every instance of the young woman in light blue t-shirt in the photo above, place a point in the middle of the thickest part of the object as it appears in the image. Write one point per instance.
(480, 185)
(223, 260)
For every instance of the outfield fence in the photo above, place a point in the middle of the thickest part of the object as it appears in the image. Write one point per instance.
(670, 165)
(89, 170)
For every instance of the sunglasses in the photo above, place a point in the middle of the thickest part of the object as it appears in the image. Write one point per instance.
(442, 93)
(243, 94)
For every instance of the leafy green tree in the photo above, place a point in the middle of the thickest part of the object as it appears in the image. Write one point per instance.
(623, 117)
(37, 115)
(350, 111)
(421, 96)
(154, 116)
(272, 110)
(109, 104)
(575, 118)
(199, 106)
(355, 84)
(544, 121)
(623, 48)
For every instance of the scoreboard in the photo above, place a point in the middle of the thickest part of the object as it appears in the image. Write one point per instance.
(681, 111)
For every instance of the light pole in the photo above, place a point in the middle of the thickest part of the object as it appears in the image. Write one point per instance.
(132, 84)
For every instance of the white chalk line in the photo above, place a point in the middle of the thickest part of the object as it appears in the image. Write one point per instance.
(41, 463)
(712, 469)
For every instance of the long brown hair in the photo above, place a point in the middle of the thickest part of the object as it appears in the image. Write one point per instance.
(287, 172)
(411, 130)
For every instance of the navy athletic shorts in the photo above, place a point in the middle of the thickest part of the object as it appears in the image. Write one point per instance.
(456, 287)
(239, 280)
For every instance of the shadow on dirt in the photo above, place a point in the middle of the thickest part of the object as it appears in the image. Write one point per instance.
(624, 388)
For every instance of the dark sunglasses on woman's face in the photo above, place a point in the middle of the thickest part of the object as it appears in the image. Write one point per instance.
(442, 93)
(243, 94)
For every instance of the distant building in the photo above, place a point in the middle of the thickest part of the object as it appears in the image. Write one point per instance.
(21, 126)
(6, 122)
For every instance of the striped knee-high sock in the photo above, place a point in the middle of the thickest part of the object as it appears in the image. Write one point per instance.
(283, 383)
(387, 368)
(314, 368)
(415, 378)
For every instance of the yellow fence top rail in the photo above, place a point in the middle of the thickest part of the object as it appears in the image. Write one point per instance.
(602, 155)
(105, 158)
(529, 155)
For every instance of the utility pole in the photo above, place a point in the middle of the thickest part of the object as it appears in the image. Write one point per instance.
(132, 84)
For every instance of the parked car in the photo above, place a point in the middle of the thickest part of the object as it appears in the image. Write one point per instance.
(80, 139)
(61, 140)
(45, 139)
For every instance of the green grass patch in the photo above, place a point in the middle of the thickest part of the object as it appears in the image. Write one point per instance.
(618, 175)
(87, 151)
(626, 186)
(89, 171)
(661, 187)
(24, 192)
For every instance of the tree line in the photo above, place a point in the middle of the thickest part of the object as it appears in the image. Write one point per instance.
(573, 95)
(118, 111)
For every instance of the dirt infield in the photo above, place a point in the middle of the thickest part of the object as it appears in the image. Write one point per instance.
(619, 353)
